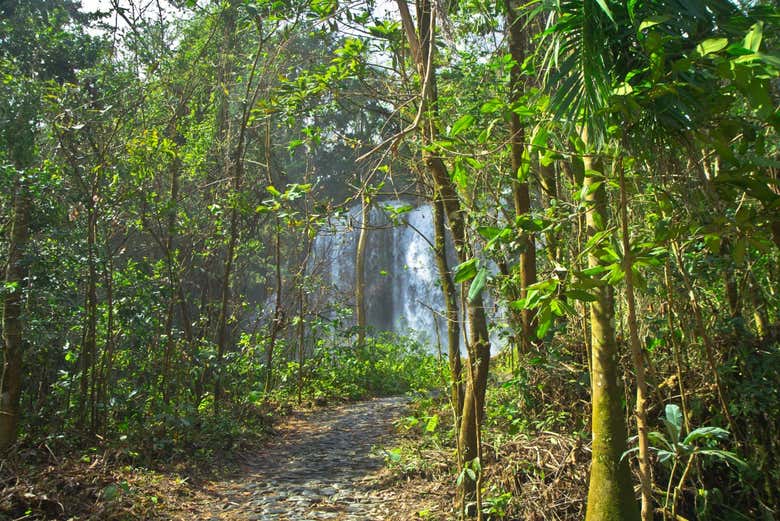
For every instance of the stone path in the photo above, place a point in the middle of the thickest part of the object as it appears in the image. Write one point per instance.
(326, 464)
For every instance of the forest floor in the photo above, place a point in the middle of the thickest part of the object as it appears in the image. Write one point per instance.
(320, 463)
(323, 464)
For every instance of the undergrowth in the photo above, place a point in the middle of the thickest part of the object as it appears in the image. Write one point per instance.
(536, 436)
(153, 458)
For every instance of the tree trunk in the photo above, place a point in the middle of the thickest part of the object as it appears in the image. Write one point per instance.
(610, 494)
(709, 349)
(13, 339)
(421, 43)
(760, 317)
(107, 360)
(451, 311)
(520, 170)
(173, 274)
(360, 271)
(549, 183)
(645, 476)
(276, 323)
(232, 169)
(89, 343)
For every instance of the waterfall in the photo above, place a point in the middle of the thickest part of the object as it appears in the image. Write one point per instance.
(403, 292)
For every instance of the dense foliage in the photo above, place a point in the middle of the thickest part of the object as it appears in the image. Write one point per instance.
(607, 173)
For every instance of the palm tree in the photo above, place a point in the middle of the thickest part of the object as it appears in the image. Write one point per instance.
(593, 48)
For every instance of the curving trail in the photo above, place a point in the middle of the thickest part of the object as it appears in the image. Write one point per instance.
(325, 464)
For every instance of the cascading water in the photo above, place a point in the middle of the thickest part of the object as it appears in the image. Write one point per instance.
(403, 292)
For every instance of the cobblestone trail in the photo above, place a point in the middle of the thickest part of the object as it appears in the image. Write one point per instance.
(326, 464)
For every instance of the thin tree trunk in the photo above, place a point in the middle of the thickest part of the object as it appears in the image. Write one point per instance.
(520, 167)
(173, 277)
(232, 165)
(549, 183)
(360, 271)
(677, 353)
(13, 335)
(709, 350)
(106, 364)
(302, 302)
(645, 476)
(276, 324)
(301, 339)
(760, 317)
(610, 494)
(421, 43)
(451, 311)
(89, 345)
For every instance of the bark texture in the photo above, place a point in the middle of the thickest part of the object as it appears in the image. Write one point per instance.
(13, 337)
(610, 494)
(520, 190)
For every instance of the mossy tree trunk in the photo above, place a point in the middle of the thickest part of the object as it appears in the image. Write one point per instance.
(610, 493)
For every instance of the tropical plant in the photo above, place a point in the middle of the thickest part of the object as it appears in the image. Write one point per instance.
(676, 449)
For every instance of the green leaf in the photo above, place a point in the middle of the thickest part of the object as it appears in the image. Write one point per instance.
(460, 176)
(706, 433)
(653, 21)
(491, 106)
(561, 307)
(579, 294)
(465, 271)
(753, 38)
(739, 251)
(489, 232)
(545, 322)
(540, 137)
(433, 423)
(324, 7)
(673, 421)
(394, 455)
(273, 191)
(657, 440)
(711, 45)
(726, 456)
(595, 270)
(110, 492)
(605, 8)
(665, 455)
(478, 285)
(713, 242)
(463, 123)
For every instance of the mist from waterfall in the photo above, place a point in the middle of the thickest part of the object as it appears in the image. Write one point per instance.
(403, 292)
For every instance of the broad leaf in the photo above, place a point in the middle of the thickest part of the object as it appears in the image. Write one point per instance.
(463, 123)
(706, 433)
(465, 271)
(711, 45)
(653, 21)
(478, 285)
(753, 38)
(673, 421)
(579, 294)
